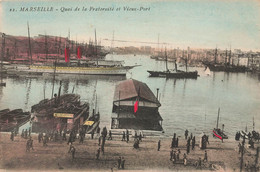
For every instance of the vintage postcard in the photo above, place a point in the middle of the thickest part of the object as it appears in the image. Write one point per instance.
(109, 85)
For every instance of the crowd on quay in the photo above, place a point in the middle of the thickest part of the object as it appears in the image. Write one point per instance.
(177, 155)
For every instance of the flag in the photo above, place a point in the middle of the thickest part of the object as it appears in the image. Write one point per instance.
(218, 136)
(79, 52)
(136, 105)
(67, 54)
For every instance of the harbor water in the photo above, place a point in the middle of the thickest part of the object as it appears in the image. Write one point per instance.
(186, 103)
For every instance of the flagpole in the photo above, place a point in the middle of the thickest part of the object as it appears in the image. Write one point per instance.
(119, 103)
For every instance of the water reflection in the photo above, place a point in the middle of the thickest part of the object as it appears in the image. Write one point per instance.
(28, 92)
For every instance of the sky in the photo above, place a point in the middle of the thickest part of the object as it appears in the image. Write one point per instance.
(181, 23)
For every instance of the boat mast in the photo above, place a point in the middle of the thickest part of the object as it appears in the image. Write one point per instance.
(218, 117)
(46, 48)
(253, 124)
(96, 46)
(166, 59)
(226, 57)
(185, 60)
(229, 58)
(30, 50)
(158, 44)
(118, 103)
(112, 43)
(215, 56)
(54, 72)
(96, 105)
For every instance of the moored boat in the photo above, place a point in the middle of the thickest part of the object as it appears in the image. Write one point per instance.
(217, 132)
(65, 112)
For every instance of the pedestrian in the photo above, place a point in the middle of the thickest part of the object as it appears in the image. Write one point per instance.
(28, 146)
(56, 134)
(70, 148)
(12, 136)
(30, 130)
(39, 137)
(99, 140)
(123, 163)
(22, 135)
(92, 134)
(191, 136)
(25, 134)
(31, 143)
(239, 148)
(136, 135)
(185, 161)
(177, 155)
(186, 134)
(98, 131)
(103, 149)
(123, 137)
(127, 136)
(98, 154)
(193, 143)
(173, 143)
(188, 149)
(44, 141)
(64, 135)
(207, 139)
(119, 162)
(177, 142)
(140, 136)
(136, 144)
(199, 162)
(159, 145)
(171, 154)
(110, 135)
(174, 157)
(205, 156)
(81, 138)
(73, 150)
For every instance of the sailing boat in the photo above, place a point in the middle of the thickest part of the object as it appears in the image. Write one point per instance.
(74, 67)
(207, 71)
(173, 73)
(217, 132)
(227, 66)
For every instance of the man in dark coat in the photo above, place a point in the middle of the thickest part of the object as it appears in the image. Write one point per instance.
(186, 134)
(123, 163)
(98, 154)
(119, 162)
(123, 137)
(159, 145)
(12, 136)
(127, 136)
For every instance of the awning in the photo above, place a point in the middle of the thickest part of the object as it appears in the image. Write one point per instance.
(89, 123)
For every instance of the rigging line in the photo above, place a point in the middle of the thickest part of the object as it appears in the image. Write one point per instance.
(143, 42)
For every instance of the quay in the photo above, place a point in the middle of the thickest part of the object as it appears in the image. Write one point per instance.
(55, 156)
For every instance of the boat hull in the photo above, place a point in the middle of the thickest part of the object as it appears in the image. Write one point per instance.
(72, 70)
(226, 68)
(180, 75)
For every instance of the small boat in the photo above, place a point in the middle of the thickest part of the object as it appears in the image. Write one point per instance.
(173, 73)
(92, 123)
(217, 132)
(10, 120)
(61, 112)
(207, 71)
